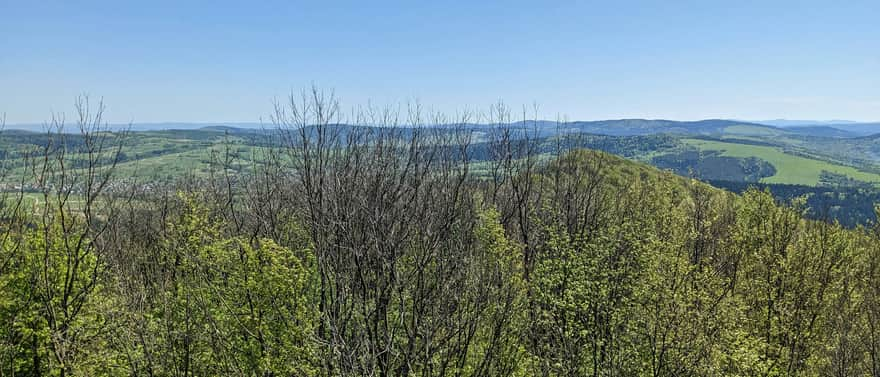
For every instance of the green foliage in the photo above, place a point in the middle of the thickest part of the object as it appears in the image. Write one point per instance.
(605, 268)
(234, 307)
(53, 303)
(710, 166)
(497, 348)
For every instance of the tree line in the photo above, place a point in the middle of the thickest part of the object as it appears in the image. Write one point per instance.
(376, 250)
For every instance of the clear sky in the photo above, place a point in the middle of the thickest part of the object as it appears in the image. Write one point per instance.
(218, 61)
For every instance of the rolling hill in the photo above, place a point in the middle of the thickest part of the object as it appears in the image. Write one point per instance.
(713, 150)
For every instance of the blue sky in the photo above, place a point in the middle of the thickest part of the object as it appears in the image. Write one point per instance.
(222, 61)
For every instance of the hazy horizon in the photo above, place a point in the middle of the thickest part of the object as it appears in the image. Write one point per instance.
(172, 125)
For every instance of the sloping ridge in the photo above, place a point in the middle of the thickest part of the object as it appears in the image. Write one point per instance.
(631, 127)
(619, 171)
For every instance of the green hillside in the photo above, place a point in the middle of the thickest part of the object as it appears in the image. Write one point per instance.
(585, 263)
(790, 169)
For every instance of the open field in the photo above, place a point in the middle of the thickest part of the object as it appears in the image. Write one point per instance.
(790, 169)
(195, 161)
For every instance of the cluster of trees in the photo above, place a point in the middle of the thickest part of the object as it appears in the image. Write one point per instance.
(377, 252)
(712, 166)
(850, 206)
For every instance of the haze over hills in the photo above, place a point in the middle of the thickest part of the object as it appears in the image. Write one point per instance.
(612, 127)
(802, 122)
(617, 127)
(826, 131)
(853, 128)
(158, 126)
(863, 129)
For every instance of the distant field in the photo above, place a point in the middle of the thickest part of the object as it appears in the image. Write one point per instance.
(166, 155)
(751, 130)
(790, 169)
(146, 155)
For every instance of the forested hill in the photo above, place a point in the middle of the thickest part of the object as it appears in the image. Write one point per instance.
(839, 173)
(401, 256)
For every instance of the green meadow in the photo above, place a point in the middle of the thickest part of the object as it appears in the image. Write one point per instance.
(790, 169)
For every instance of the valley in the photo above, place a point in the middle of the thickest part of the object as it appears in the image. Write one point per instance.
(730, 154)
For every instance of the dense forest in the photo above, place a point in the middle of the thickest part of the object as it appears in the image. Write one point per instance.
(848, 205)
(383, 251)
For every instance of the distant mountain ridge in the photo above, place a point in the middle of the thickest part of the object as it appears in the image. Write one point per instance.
(826, 131)
(159, 126)
(860, 129)
(850, 127)
(631, 127)
(611, 127)
(801, 122)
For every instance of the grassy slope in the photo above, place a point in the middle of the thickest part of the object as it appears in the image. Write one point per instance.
(166, 154)
(751, 130)
(790, 169)
(149, 155)
(194, 161)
